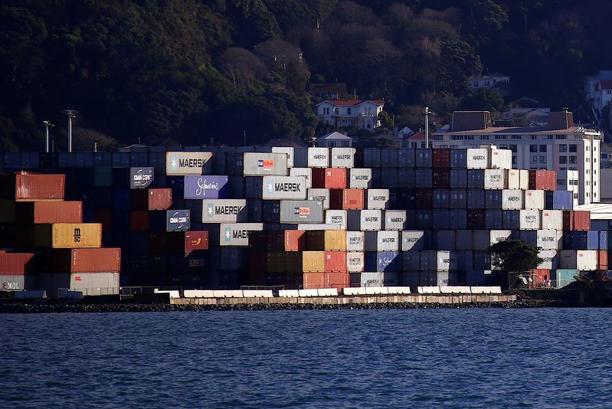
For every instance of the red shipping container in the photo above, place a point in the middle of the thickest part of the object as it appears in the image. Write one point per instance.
(16, 263)
(441, 178)
(335, 262)
(313, 280)
(543, 179)
(330, 178)
(102, 260)
(577, 220)
(602, 260)
(476, 219)
(423, 198)
(441, 158)
(347, 199)
(139, 220)
(29, 187)
(337, 280)
(195, 240)
(539, 278)
(295, 240)
(49, 212)
(160, 199)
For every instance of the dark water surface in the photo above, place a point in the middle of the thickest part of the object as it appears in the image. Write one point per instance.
(313, 359)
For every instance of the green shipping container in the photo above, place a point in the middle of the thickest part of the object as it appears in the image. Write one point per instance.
(563, 277)
(103, 176)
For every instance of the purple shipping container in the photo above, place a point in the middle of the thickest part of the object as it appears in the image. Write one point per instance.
(205, 187)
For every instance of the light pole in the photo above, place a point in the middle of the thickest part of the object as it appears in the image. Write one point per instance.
(70, 113)
(427, 112)
(48, 125)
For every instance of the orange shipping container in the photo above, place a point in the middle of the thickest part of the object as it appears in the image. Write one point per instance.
(330, 178)
(347, 199)
(76, 235)
(540, 278)
(313, 280)
(335, 240)
(139, 220)
(30, 187)
(543, 179)
(160, 199)
(294, 240)
(49, 212)
(335, 262)
(602, 260)
(313, 261)
(102, 260)
(16, 263)
(337, 280)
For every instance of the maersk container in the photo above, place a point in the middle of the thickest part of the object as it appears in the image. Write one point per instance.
(301, 211)
(338, 217)
(342, 157)
(529, 220)
(423, 219)
(284, 187)
(495, 236)
(445, 240)
(440, 219)
(265, 164)
(423, 158)
(458, 179)
(377, 279)
(227, 210)
(552, 219)
(550, 259)
(360, 178)
(548, 239)
(237, 234)
(475, 179)
(441, 199)
(365, 220)
(512, 199)
(495, 179)
(500, 158)
(315, 226)
(395, 220)
(458, 219)
(185, 163)
(355, 261)
(378, 199)
(390, 176)
(477, 158)
(445, 261)
(493, 219)
(355, 241)
(458, 199)
(563, 277)
(475, 199)
(271, 211)
(287, 150)
(493, 199)
(510, 219)
(560, 200)
(371, 157)
(386, 240)
(534, 199)
(318, 158)
(321, 195)
(464, 239)
(306, 173)
(583, 260)
(406, 158)
(205, 187)
(423, 178)
(413, 240)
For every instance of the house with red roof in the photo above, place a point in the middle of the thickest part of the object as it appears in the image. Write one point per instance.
(350, 113)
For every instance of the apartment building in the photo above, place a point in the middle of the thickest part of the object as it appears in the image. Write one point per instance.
(350, 113)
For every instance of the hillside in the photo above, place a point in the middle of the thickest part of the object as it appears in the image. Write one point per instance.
(188, 71)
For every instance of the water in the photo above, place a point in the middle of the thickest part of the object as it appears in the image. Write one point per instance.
(312, 359)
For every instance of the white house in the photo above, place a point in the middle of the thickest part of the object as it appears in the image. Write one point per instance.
(350, 113)
(335, 140)
(598, 92)
(526, 116)
(488, 81)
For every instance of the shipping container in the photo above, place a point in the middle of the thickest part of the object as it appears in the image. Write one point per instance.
(550, 259)
(360, 178)
(335, 240)
(534, 199)
(476, 179)
(383, 261)
(265, 164)
(583, 260)
(458, 178)
(284, 187)
(513, 177)
(395, 220)
(159, 199)
(237, 234)
(464, 239)
(495, 179)
(445, 239)
(382, 241)
(493, 199)
(512, 199)
(31, 187)
(48, 212)
(347, 199)
(477, 158)
(602, 260)
(330, 178)
(335, 262)
(577, 220)
(441, 158)
(313, 262)
(493, 219)
(475, 199)
(355, 262)
(318, 158)
(406, 158)
(206, 187)
(342, 157)
(371, 157)
(94, 260)
(560, 200)
(500, 158)
(139, 220)
(322, 195)
(423, 178)
(364, 220)
(355, 241)
(306, 173)
(552, 219)
(295, 240)
(389, 158)
(224, 211)
(287, 150)
(187, 163)
(549, 239)
(543, 180)
(377, 199)
(301, 211)
(423, 158)
(16, 264)
(76, 235)
(529, 220)
(338, 217)
(564, 277)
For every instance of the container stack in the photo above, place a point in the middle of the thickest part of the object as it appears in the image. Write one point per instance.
(47, 244)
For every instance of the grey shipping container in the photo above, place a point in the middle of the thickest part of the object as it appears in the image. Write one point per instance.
(364, 220)
(177, 220)
(224, 210)
(95, 284)
(377, 199)
(141, 178)
(321, 195)
(395, 220)
(360, 178)
(237, 234)
(318, 157)
(301, 211)
(413, 240)
(265, 164)
(284, 187)
(188, 163)
(287, 150)
(342, 157)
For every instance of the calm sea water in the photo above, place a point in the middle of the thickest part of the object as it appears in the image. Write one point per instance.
(312, 359)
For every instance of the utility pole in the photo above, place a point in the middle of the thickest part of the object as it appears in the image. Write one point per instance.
(48, 125)
(70, 113)
(427, 112)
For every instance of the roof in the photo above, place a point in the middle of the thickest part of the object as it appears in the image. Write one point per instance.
(351, 102)
(599, 211)
(285, 142)
(513, 130)
(417, 136)
(335, 135)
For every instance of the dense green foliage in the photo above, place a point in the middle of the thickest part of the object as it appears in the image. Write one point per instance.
(514, 256)
(191, 70)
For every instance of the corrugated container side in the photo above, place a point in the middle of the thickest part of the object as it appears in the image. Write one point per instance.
(49, 212)
(313, 262)
(76, 235)
(335, 240)
(318, 157)
(29, 187)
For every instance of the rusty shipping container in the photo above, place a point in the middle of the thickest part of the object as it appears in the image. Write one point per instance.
(330, 178)
(101, 260)
(196, 240)
(347, 199)
(49, 212)
(160, 199)
(335, 262)
(76, 235)
(30, 187)
(295, 240)
(577, 220)
(441, 158)
(543, 180)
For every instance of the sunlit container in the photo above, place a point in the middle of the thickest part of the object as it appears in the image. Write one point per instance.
(312, 280)
(355, 262)
(224, 211)
(48, 212)
(524, 179)
(295, 240)
(543, 180)
(306, 173)
(577, 220)
(395, 220)
(529, 220)
(335, 240)
(76, 235)
(552, 219)
(583, 260)
(495, 179)
(103, 283)
(512, 199)
(377, 199)
(602, 260)
(265, 164)
(159, 199)
(94, 260)
(330, 178)
(513, 177)
(237, 234)
(406, 158)
(347, 199)
(313, 262)
(335, 262)
(423, 158)
(301, 211)
(355, 241)
(318, 157)
(563, 277)
(364, 220)
(549, 239)
(284, 187)
(31, 187)
(477, 158)
(360, 178)
(445, 240)
(205, 187)
(342, 157)
(195, 241)
(500, 158)
(187, 163)
(413, 240)
(321, 195)
(534, 199)
(287, 150)
(316, 226)
(12, 264)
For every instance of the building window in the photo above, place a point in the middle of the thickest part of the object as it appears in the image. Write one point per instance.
(563, 148)
(542, 159)
(534, 159)
(563, 159)
(588, 171)
(348, 111)
(533, 148)
(572, 147)
(542, 148)
(572, 160)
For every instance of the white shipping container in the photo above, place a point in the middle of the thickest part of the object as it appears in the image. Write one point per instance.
(342, 157)
(355, 241)
(318, 157)
(188, 163)
(224, 211)
(413, 240)
(583, 260)
(514, 179)
(524, 179)
(495, 179)
(549, 239)
(322, 195)
(386, 240)
(338, 217)
(237, 234)
(550, 259)
(534, 199)
(360, 178)
(512, 199)
(287, 150)
(365, 220)
(552, 219)
(477, 158)
(500, 158)
(315, 226)
(306, 173)
(529, 220)
(444, 261)
(262, 164)
(284, 187)
(395, 219)
(496, 236)
(355, 261)
(377, 199)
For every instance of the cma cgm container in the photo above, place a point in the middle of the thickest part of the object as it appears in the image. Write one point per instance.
(178, 220)
(265, 164)
(188, 163)
(141, 178)
(301, 211)
(30, 187)
(49, 212)
(206, 187)
(284, 187)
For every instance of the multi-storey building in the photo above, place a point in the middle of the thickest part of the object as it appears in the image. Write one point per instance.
(350, 113)
(560, 145)
(598, 92)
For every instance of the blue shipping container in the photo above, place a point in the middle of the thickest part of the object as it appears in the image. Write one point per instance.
(476, 199)
(493, 199)
(458, 178)
(441, 219)
(458, 219)
(441, 199)
(388, 261)
(559, 200)
(493, 219)
(458, 158)
(475, 178)
(510, 219)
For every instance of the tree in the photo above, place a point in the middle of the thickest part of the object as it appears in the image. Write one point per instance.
(483, 99)
(514, 256)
